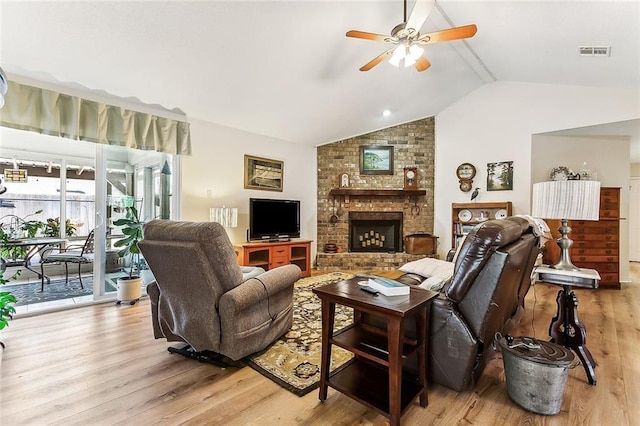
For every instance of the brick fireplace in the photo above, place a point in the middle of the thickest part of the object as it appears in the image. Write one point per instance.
(413, 146)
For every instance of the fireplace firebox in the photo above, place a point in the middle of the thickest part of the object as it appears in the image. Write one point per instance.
(375, 232)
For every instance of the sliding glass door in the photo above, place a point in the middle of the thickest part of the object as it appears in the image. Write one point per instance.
(131, 178)
(72, 188)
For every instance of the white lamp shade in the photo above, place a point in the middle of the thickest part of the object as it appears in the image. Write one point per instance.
(567, 199)
(225, 216)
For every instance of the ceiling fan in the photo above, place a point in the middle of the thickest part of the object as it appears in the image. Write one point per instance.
(407, 39)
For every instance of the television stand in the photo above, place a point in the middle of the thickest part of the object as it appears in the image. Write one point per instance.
(270, 254)
(280, 240)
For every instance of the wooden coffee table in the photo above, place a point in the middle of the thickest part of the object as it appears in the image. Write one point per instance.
(374, 377)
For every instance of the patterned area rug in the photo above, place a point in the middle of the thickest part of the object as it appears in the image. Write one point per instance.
(293, 361)
(28, 294)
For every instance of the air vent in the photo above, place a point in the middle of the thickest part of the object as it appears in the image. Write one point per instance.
(595, 50)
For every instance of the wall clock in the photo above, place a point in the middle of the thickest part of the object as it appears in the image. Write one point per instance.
(466, 172)
(410, 178)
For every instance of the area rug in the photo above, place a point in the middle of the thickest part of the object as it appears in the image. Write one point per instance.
(29, 293)
(293, 361)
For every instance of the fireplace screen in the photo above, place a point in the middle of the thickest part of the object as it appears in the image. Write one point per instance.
(375, 231)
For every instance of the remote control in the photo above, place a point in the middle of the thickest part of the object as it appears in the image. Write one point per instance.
(369, 290)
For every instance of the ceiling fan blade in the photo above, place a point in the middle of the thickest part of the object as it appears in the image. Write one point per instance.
(370, 36)
(422, 63)
(419, 14)
(375, 61)
(448, 35)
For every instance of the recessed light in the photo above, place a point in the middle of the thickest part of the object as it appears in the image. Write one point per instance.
(386, 113)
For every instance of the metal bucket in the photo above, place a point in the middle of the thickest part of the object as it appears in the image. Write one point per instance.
(536, 373)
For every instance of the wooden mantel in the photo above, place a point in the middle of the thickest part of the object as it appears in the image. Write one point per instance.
(377, 192)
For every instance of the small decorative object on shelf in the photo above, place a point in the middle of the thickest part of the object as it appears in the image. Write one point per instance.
(501, 214)
(475, 193)
(410, 178)
(465, 215)
(585, 173)
(564, 173)
(344, 180)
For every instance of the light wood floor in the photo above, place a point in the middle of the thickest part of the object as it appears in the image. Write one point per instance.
(100, 365)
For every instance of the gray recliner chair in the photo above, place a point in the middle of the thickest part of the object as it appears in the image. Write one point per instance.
(200, 295)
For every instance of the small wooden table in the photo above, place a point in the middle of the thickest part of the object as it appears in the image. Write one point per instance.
(374, 377)
(566, 329)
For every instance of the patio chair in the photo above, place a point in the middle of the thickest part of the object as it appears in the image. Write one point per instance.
(75, 253)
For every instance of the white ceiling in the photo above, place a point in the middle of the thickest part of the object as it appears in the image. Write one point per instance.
(285, 69)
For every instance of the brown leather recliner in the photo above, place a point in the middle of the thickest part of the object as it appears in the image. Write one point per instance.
(485, 295)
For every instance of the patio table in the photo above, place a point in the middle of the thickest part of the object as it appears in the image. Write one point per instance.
(33, 246)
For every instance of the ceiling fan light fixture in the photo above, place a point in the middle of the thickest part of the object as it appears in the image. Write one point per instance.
(415, 51)
(409, 61)
(397, 56)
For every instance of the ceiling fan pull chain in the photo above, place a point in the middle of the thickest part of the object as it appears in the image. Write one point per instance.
(405, 12)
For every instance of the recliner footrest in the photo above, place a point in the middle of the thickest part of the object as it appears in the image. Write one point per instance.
(209, 357)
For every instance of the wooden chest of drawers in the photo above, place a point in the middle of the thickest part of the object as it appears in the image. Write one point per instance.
(596, 244)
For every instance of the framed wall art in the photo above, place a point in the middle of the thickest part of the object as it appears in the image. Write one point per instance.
(500, 176)
(263, 173)
(376, 160)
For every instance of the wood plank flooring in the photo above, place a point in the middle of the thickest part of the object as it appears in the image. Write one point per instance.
(100, 365)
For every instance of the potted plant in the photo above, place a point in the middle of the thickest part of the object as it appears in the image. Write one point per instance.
(129, 287)
(7, 300)
(18, 227)
(52, 227)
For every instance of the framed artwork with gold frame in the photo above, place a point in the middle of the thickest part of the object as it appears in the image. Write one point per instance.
(263, 173)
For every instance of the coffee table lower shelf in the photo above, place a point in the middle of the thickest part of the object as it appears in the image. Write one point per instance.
(368, 383)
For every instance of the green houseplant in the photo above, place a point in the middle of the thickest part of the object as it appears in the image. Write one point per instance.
(19, 227)
(52, 228)
(7, 300)
(129, 287)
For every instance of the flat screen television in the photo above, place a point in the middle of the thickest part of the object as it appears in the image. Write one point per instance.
(274, 220)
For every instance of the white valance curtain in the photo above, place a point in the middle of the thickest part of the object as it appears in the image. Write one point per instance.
(52, 113)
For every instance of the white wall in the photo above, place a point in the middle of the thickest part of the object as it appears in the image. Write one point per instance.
(213, 175)
(496, 123)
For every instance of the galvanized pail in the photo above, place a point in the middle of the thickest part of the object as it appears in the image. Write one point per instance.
(536, 373)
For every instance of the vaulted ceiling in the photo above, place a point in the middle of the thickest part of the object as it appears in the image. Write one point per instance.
(285, 69)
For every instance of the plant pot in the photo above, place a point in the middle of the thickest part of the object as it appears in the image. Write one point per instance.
(128, 289)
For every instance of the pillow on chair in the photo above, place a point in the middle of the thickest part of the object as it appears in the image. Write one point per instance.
(435, 271)
(249, 272)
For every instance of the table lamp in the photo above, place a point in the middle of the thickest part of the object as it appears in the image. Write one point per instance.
(566, 200)
(225, 216)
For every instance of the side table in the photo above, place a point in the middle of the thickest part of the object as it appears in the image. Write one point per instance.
(566, 329)
(374, 376)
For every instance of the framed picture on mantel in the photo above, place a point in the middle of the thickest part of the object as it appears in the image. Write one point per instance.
(376, 160)
(263, 173)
